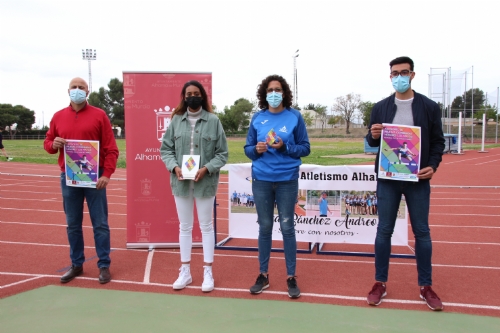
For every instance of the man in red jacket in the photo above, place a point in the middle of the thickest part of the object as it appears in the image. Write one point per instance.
(81, 121)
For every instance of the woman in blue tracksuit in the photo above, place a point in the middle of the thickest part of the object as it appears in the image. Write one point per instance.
(277, 139)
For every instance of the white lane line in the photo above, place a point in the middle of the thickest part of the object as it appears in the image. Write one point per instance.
(488, 162)
(54, 225)
(467, 243)
(468, 199)
(282, 293)
(470, 159)
(58, 200)
(20, 282)
(149, 263)
(488, 215)
(412, 263)
(408, 263)
(462, 226)
(48, 176)
(58, 193)
(482, 206)
(64, 225)
(50, 210)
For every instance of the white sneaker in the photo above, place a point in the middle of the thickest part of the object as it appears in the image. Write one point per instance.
(184, 278)
(10, 159)
(208, 280)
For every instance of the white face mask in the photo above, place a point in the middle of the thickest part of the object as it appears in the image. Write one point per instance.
(77, 96)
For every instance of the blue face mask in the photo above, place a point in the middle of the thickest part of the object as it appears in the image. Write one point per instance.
(77, 96)
(401, 83)
(274, 99)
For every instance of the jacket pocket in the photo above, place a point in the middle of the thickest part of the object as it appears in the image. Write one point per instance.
(208, 143)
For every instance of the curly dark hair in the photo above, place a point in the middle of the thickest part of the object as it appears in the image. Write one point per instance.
(182, 107)
(262, 91)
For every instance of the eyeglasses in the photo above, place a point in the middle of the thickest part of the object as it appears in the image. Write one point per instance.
(278, 90)
(404, 72)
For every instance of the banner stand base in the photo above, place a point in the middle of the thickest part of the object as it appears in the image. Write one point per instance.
(221, 246)
(359, 254)
(153, 246)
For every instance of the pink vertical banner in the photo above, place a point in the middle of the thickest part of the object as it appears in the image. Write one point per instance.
(150, 98)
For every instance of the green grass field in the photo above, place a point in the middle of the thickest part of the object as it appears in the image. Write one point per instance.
(323, 151)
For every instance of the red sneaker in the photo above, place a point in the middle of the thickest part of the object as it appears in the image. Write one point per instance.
(429, 296)
(378, 292)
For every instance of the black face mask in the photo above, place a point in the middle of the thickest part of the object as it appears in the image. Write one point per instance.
(194, 102)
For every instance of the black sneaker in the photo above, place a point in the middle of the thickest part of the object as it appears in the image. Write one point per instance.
(293, 290)
(261, 284)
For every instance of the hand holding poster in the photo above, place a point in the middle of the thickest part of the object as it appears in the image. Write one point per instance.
(399, 153)
(81, 163)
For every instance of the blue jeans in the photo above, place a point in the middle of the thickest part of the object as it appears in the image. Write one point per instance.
(98, 209)
(285, 195)
(417, 196)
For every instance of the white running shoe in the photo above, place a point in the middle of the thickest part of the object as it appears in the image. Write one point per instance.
(9, 159)
(184, 278)
(208, 280)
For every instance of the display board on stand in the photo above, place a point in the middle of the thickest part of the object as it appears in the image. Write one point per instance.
(150, 98)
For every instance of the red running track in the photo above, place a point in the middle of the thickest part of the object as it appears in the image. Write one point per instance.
(464, 215)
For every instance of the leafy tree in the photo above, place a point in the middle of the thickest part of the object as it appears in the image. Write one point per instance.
(491, 112)
(296, 107)
(308, 118)
(347, 107)
(366, 110)
(236, 117)
(458, 103)
(321, 115)
(18, 114)
(310, 106)
(333, 120)
(111, 101)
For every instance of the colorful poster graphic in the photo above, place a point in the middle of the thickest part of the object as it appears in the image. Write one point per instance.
(190, 166)
(399, 153)
(82, 163)
(271, 137)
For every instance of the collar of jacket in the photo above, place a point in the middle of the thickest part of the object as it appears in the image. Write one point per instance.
(204, 115)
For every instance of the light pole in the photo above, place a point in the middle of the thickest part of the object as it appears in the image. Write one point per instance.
(295, 90)
(89, 54)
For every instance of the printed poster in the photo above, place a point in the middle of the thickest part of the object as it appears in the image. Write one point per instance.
(190, 166)
(335, 204)
(399, 153)
(81, 163)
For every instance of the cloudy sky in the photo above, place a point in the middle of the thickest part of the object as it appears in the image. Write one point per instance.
(344, 46)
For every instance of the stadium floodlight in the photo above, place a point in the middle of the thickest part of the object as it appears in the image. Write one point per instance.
(295, 89)
(89, 55)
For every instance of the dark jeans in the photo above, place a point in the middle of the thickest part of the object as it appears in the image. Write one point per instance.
(417, 196)
(97, 204)
(285, 194)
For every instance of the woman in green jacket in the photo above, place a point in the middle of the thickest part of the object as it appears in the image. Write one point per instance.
(195, 130)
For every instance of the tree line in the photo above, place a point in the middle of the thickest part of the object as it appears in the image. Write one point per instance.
(236, 118)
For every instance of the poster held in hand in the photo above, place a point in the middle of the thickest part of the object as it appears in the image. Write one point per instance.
(399, 152)
(272, 137)
(190, 166)
(81, 163)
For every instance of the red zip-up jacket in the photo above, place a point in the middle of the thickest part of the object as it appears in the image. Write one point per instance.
(90, 123)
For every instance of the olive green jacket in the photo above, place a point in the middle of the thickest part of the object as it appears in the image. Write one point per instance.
(209, 141)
